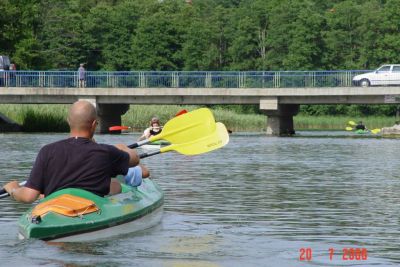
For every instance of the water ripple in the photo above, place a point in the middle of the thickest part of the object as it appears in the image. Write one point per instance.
(257, 200)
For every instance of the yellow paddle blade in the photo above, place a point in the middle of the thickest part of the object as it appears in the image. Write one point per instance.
(348, 128)
(207, 143)
(187, 127)
(375, 131)
(352, 123)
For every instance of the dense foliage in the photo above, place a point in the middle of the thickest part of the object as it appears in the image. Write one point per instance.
(201, 34)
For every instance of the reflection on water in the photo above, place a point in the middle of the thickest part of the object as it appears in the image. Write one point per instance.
(256, 202)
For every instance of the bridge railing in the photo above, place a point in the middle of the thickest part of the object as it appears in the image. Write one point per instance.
(180, 79)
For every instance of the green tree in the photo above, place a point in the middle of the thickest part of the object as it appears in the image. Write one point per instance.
(341, 37)
(20, 23)
(243, 50)
(201, 48)
(294, 41)
(157, 41)
(371, 34)
(62, 35)
(108, 34)
(388, 45)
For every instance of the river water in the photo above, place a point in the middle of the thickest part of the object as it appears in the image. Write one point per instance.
(310, 200)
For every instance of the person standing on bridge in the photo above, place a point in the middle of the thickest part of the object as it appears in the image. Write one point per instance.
(81, 75)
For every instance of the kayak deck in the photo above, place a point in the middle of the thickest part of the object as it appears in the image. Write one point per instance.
(359, 131)
(132, 210)
(155, 145)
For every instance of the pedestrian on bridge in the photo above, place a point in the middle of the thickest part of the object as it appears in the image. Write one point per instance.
(81, 75)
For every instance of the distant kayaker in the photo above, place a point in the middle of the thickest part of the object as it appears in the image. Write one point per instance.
(76, 162)
(154, 129)
(360, 126)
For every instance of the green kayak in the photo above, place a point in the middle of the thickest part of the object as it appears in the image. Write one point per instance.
(78, 215)
(359, 131)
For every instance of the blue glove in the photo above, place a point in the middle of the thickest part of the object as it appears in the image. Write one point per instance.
(134, 176)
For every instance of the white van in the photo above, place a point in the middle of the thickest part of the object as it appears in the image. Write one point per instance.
(4, 63)
(384, 75)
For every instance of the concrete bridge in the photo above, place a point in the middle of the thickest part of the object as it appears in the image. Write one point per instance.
(278, 94)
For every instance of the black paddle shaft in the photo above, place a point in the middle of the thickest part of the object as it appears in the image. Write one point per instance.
(145, 155)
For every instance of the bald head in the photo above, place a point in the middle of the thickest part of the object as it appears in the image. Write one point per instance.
(81, 115)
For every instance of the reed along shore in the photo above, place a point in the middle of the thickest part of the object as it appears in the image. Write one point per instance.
(52, 118)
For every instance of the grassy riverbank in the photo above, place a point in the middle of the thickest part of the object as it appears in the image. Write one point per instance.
(52, 118)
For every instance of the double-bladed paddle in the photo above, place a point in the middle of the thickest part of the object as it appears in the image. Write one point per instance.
(217, 139)
(195, 134)
(184, 128)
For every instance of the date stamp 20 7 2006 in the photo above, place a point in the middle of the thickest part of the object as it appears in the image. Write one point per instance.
(346, 254)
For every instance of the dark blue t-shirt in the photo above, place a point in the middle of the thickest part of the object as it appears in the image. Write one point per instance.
(77, 163)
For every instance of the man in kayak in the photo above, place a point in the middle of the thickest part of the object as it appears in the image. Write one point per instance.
(76, 162)
(154, 129)
(360, 126)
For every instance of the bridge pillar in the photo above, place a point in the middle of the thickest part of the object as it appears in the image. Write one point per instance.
(110, 115)
(280, 116)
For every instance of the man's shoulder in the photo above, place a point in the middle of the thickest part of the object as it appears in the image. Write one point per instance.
(108, 147)
(55, 144)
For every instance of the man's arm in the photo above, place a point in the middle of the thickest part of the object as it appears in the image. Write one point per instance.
(21, 194)
(133, 156)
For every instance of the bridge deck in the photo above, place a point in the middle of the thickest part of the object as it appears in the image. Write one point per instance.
(322, 95)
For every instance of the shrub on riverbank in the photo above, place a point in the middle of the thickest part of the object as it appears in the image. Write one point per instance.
(139, 116)
(303, 122)
(52, 118)
(38, 118)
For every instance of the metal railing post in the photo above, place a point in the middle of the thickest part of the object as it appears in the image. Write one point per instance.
(242, 80)
(277, 79)
(41, 79)
(142, 79)
(175, 80)
(208, 80)
(17, 80)
(6, 77)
